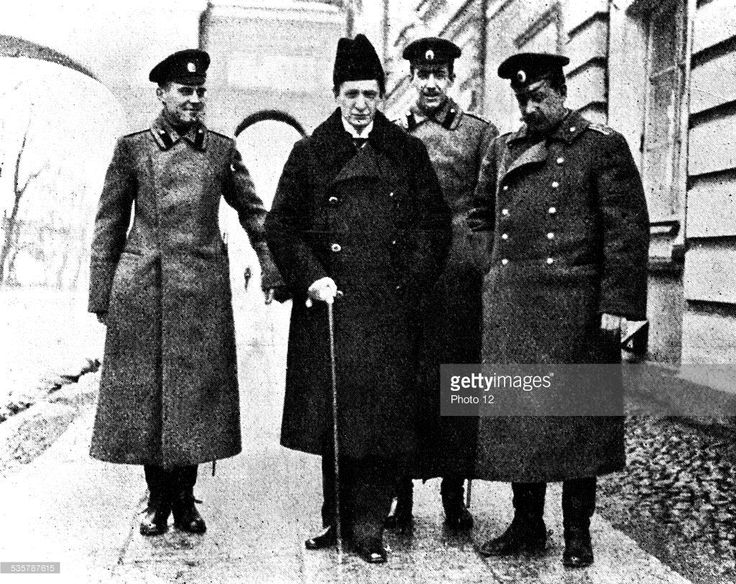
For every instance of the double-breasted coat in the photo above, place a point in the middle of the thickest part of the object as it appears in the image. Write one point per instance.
(373, 219)
(570, 242)
(169, 388)
(452, 309)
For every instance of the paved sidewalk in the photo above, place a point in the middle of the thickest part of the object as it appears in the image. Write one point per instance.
(260, 507)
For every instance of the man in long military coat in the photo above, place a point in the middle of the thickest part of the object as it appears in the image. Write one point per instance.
(358, 209)
(452, 310)
(169, 390)
(569, 263)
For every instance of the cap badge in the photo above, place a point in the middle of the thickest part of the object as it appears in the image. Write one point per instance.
(191, 67)
(429, 55)
(521, 76)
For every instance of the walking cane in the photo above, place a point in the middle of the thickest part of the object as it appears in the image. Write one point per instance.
(335, 440)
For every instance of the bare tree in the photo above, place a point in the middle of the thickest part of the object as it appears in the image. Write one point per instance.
(11, 222)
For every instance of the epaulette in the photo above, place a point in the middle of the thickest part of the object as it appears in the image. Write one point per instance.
(477, 117)
(221, 135)
(601, 128)
(135, 133)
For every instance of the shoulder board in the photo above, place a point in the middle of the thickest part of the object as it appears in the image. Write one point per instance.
(602, 129)
(477, 117)
(218, 134)
(136, 133)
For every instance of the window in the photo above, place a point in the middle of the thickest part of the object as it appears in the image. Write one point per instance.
(663, 165)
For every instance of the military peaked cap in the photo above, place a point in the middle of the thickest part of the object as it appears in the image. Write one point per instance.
(188, 67)
(526, 68)
(431, 51)
(356, 59)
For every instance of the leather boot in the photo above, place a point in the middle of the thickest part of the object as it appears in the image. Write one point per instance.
(156, 516)
(457, 515)
(186, 516)
(578, 506)
(527, 532)
(400, 514)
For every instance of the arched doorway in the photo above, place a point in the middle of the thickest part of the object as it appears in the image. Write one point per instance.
(264, 139)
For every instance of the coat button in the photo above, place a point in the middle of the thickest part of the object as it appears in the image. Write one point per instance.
(333, 201)
(552, 210)
(555, 185)
(572, 128)
(550, 260)
(550, 235)
(560, 160)
(391, 194)
(504, 261)
(504, 212)
(399, 287)
(335, 247)
(505, 187)
(504, 236)
(394, 242)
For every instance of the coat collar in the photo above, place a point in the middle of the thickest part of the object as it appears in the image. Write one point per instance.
(166, 136)
(572, 125)
(336, 147)
(448, 116)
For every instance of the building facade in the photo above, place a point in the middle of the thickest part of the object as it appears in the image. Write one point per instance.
(662, 73)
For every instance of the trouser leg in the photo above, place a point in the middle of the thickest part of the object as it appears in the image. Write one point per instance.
(372, 489)
(529, 499)
(155, 520)
(329, 509)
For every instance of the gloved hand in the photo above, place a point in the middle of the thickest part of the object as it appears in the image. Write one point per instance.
(323, 290)
(270, 276)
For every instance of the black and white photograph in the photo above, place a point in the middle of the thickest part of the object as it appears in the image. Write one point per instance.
(368, 291)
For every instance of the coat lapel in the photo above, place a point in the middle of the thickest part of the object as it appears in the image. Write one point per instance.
(535, 154)
(362, 165)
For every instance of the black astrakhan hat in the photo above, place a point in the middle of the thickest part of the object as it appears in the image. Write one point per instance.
(356, 59)
(526, 68)
(431, 51)
(188, 67)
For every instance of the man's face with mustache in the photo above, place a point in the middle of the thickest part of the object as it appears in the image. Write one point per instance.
(183, 104)
(541, 107)
(431, 83)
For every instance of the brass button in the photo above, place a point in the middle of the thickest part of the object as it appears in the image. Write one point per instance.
(333, 201)
(504, 261)
(573, 128)
(336, 247)
(550, 260)
(505, 187)
(550, 235)
(504, 212)
(505, 236)
(391, 194)
(555, 185)
(393, 242)
(552, 210)
(560, 160)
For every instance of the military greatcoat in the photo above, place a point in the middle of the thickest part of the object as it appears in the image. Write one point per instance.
(570, 242)
(169, 389)
(452, 310)
(373, 219)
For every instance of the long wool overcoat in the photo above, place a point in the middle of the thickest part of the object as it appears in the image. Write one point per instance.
(571, 234)
(452, 310)
(169, 389)
(373, 219)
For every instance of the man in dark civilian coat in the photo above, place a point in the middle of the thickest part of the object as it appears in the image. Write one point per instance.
(169, 388)
(565, 202)
(358, 209)
(451, 312)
